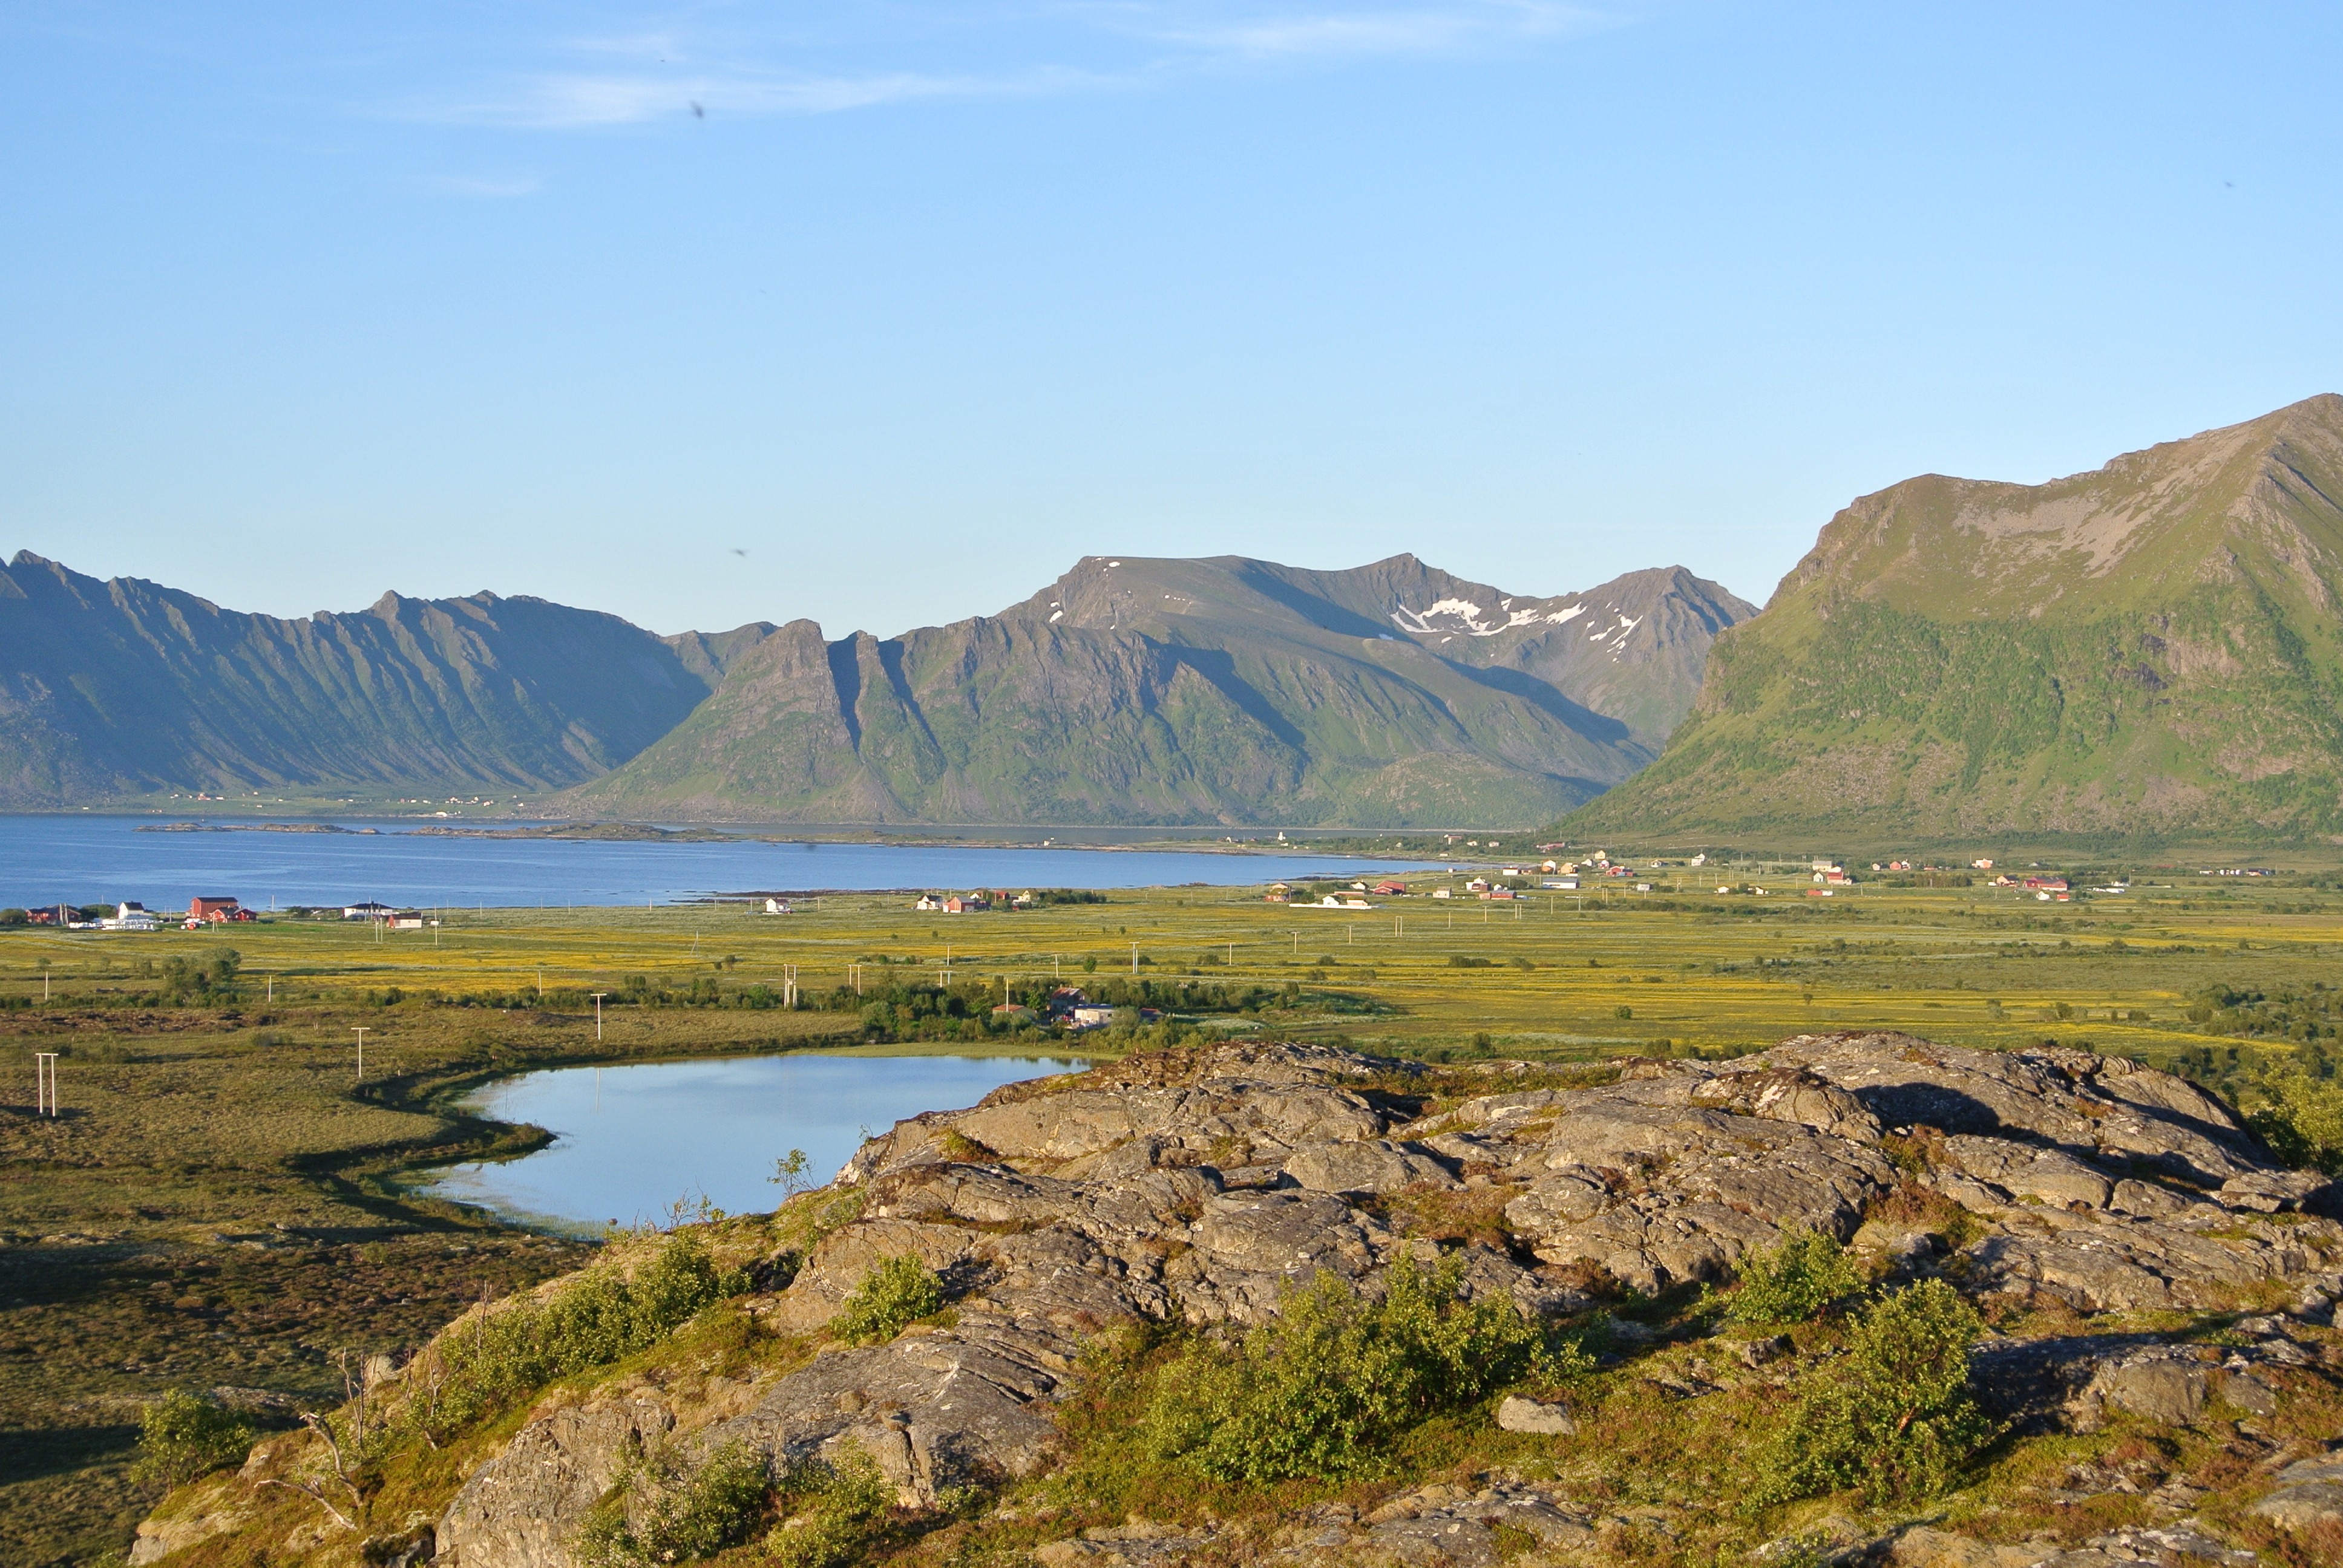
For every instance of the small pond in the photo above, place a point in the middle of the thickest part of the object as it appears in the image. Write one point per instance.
(630, 1141)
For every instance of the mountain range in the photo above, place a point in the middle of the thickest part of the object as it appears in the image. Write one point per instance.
(1129, 692)
(2149, 649)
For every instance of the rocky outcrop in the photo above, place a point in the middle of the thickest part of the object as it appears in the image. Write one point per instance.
(1198, 1186)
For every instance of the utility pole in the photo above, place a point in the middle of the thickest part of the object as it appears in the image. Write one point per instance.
(45, 1083)
(1134, 957)
(598, 1012)
(361, 1032)
(788, 985)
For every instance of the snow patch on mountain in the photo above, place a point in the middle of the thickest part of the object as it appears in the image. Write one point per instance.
(1466, 611)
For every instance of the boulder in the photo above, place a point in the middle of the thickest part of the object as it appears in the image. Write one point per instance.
(2310, 1492)
(520, 1509)
(2168, 1384)
(1546, 1417)
(1366, 1166)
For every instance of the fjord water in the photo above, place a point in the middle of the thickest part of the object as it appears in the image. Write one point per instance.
(630, 1141)
(82, 859)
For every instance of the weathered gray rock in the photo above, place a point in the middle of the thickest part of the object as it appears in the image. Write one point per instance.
(521, 1508)
(1205, 1185)
(1546, 1417)
(2189, 1542)
(2169, 1384)
(2310, 1492)
(1367, 1166)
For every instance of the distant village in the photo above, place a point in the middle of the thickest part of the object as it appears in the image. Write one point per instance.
(132, 915)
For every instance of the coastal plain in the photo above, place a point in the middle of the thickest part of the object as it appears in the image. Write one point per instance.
(221, 1203)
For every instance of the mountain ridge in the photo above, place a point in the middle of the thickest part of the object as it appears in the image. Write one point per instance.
(1218, 689)
(2148, 648)
(1221, 688)
(128, 687)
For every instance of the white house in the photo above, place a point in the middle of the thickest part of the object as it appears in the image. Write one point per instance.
(369, 910)
(776, 906)
(128, 916)
(930, 902)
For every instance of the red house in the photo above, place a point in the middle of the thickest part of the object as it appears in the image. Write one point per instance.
(212, 910)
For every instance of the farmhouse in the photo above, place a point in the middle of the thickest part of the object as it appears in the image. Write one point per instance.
(214, 910)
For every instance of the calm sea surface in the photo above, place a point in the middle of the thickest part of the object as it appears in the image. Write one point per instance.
(631, 1141)
(86, 859)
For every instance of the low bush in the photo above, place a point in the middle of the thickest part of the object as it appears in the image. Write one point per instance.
(2303, 1124)
(1792, 1281)
(1896, 1417)
(899, 1291)
(203, 983)
(183, 1435)
(599, 1318)
(683, 1515)
(1329, 1386)
(835, 1513)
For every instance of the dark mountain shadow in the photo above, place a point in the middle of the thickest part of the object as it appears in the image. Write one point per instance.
(1220, 669)
(1530, 689)
(846, 675)
(1324, 614)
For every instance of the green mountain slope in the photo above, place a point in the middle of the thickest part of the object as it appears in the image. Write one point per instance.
(2153, 648)
(1225, 689)
(126, 687)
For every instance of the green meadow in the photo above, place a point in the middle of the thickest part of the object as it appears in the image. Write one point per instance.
(221, 1202)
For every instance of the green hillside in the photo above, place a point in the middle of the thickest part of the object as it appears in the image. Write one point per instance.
(2152, 649)
(1225, 689)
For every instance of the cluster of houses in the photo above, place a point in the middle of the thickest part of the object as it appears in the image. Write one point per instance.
(130, 915)
(206, 909)
(967, 903)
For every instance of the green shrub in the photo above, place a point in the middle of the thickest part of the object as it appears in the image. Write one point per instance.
(1328, 1386)
(202, 982)
(689, 1516)
(597, 1318)
(2303, 1124)
(1794, 1281)
(1896, 1417)
(836, 1511)
(183, 1435)
(897, 1291)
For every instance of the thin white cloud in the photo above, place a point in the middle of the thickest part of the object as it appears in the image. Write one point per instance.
(556, 102)
(1144, 42)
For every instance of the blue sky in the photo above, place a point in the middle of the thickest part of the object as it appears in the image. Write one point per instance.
(922, 301)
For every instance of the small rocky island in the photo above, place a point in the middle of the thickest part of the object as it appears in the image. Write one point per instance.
(1022, 1332)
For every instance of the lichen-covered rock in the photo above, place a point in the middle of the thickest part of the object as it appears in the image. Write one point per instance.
(2310, 1492)
(1203, 1185)
(521, 1509)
